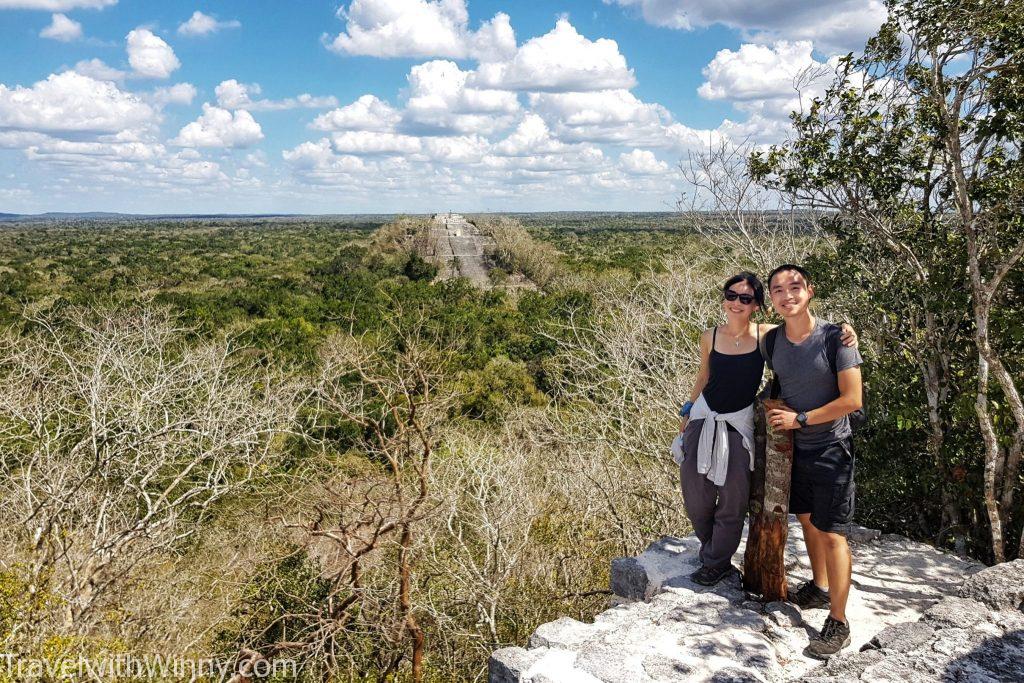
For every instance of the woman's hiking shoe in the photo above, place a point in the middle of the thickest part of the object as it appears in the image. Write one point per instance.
(834, 636)
(707, 576)
(809, 596)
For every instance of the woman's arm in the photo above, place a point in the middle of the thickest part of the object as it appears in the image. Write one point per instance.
(848, 337)
(702, 375)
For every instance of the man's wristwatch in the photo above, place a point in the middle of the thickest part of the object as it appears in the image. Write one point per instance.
(802, 419)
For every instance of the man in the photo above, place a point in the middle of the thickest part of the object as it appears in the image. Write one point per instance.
(820, 380)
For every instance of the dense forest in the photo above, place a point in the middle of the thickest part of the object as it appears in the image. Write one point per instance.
(290, 439)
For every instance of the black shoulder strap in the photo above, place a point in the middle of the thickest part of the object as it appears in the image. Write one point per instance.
(832, 347)
(714, 336)
(767, 345)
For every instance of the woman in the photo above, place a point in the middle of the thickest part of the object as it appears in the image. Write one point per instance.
(717, 427)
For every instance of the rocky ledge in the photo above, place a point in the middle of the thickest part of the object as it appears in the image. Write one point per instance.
(917, 614)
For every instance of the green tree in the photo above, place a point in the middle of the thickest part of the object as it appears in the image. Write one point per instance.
(916, 148)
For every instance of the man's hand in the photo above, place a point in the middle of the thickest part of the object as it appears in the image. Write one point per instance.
(781, 419)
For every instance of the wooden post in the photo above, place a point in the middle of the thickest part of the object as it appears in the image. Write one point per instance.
(764, 563)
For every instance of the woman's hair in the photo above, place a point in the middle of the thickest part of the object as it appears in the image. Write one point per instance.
(753, 281)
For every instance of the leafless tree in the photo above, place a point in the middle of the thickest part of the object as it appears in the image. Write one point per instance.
(363, 526)
(120, 435)
(730, 209)
(491, 492)
(619, 382)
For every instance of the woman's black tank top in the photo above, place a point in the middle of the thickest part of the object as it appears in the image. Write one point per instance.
(733, 379)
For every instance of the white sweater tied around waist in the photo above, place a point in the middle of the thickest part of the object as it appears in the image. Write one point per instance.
(713, 445)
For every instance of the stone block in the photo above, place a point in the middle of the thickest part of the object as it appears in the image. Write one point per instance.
(1000, 587)
(955, 612)
(901, 637)
(509, 664)
(565, 633)
(629, 579)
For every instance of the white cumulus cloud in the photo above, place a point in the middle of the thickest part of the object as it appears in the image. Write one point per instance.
(72, 102)
(441, 101)
(179, 93)
(98, 69)
(366, 113)
(149, 55)
(756, 71)
(62, 28)
(234, 95)
(530, 137)
(642, 162)
(835, 26)
(200, 24)
(217, 127)
(370, 142)
(421, 28)
(772, 80)
(559, 61)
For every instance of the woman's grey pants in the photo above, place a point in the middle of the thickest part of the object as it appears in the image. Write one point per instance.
(716, 512)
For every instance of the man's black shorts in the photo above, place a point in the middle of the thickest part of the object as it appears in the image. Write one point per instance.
(823, 485)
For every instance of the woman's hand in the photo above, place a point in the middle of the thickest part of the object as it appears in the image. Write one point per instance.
(849, 336)
(683, 421)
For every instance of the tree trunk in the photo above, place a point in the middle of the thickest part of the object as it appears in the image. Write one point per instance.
(764, 561)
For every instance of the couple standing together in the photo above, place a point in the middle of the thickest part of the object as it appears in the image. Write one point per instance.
(817, 365)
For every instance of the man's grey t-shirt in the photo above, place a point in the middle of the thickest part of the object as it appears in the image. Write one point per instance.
(808, 382)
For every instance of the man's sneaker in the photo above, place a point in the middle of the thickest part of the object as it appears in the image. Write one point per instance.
(809, 596)
(707, 576)
(834, 636)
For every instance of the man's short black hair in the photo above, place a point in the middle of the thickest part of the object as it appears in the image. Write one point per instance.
(789, 266)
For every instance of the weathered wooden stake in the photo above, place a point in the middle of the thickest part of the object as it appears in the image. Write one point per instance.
(764, 563)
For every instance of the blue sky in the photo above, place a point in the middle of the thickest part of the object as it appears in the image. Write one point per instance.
(393, 105)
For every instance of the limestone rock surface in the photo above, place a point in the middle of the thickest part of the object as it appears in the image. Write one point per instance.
(665, 628)
(977, 636)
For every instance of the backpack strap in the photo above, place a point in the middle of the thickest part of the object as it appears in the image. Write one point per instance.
(835, 333)
(767, 345)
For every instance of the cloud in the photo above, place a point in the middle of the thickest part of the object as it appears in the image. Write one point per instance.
(179, 93)
(217, 127)
(72, 102)
(149, 55)
(642, 162)
(559, 61)
(234, 95)
(614, 116)
(837, 26)
(362, 142)
(765, 79)
(440, 101)
(200, 24)
(320, 155)
(530, 137)
(56, 5)
(421, 28)
(756, 71)
(98, 69)
(63, 29)
(366, 113)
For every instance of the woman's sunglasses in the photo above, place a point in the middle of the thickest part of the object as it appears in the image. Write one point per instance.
(744, 298)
